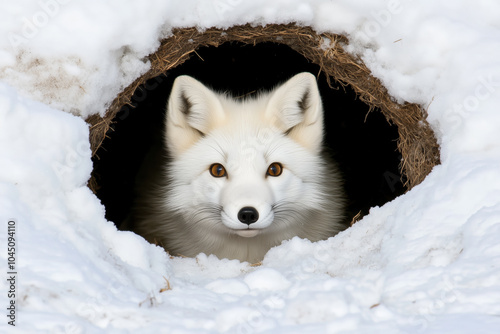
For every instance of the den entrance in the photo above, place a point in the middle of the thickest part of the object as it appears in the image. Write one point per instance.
(362, 142)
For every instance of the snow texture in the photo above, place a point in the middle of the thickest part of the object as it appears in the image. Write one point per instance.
(427, 262)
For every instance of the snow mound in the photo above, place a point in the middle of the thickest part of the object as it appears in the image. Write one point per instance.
(425, 262)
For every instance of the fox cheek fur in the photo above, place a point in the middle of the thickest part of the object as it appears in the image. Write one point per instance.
(237, 177)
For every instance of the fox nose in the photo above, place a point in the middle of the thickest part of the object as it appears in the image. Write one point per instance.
(248, 215)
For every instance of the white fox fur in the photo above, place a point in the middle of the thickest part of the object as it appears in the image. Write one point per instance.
(184, 208)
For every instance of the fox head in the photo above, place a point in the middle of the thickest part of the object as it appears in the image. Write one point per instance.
(245, 167)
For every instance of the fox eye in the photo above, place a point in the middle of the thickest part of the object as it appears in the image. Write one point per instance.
(275, 169)
(217, 170)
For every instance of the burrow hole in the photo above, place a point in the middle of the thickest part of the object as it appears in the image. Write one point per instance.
(363, 143)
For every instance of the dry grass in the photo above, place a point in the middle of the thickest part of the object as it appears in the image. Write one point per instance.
(417, 144)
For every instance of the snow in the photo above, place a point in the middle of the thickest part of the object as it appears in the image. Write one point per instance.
(427, 262)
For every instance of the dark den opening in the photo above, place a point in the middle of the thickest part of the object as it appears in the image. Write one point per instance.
(363, 144)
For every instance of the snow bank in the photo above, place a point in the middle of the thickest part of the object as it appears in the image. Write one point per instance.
(426, 262)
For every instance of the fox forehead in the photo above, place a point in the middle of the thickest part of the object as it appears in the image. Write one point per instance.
(244, 113)
(241, 145)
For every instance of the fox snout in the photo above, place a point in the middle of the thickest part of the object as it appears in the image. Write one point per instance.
(247, 205)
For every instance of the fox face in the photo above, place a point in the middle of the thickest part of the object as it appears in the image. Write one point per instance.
(244, 167)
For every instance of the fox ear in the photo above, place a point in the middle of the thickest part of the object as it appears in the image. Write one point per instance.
(295, 109)
(192, 111)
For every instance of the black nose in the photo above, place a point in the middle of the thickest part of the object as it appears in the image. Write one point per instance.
(248, 215)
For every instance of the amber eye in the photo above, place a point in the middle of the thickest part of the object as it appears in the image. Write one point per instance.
(217, 170)
(275, 169)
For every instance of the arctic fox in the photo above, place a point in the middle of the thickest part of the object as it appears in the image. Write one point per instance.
(240, 176)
